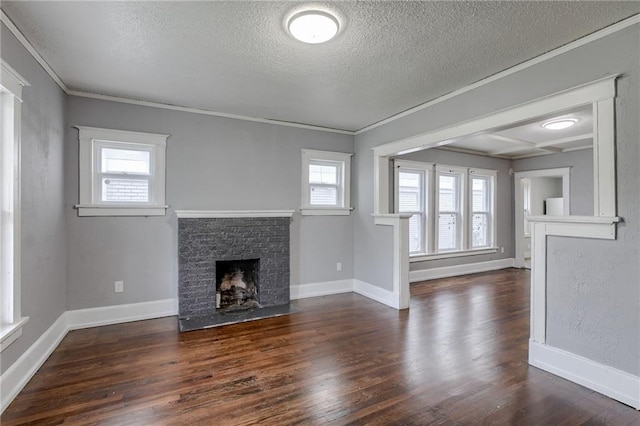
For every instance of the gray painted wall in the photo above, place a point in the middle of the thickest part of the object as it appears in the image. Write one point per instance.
(504, 200)
(44, 249)
(212, 163)
(581, 175)
(610, 331)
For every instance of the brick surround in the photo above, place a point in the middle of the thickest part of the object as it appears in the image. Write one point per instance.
(203, 241)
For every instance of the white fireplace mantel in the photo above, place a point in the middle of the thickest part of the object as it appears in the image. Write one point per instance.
(212, 214)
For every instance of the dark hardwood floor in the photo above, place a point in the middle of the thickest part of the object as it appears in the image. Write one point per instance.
(458, 356)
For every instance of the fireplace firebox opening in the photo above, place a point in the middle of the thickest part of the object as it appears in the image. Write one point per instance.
(237, 285)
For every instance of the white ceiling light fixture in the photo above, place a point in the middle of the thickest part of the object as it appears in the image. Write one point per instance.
(559, 123)
(313, 26)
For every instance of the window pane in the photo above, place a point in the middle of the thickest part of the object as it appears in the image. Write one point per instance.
(125, 161)
(447, 232)
(480, 230)
(409, 192)
(125, 190)
(323, 195)
(480, 192)
(448, 193)
(415, 233)
(321, 173)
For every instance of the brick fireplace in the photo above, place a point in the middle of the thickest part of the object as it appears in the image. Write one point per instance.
(232, 266)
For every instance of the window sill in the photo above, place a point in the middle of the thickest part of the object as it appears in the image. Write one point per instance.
(9, 333)
(339, 211)
(98, 210)
(436, 256)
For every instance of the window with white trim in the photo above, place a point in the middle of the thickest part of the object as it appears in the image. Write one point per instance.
(11, 319)
(449, 200)
(412, 197)
(325, 182)
(453, 208)
(122, 173)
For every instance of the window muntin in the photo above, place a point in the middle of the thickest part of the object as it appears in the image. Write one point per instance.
(325, 182)
(121, 173)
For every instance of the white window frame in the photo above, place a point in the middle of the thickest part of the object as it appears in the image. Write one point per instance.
(461, 228)
(311, 156)
(11, 319)
(427, 197)
(92, 139)
(492, 176)
(431, 197)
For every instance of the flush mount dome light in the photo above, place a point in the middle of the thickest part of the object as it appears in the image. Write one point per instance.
(313, 26)
(559, 123)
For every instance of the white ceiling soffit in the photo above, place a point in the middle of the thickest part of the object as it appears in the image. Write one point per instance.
(530, 138)
(236, 58)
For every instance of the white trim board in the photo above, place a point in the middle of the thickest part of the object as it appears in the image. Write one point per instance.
(614, 383)
(303, 291)
(378, 294)
(23, 369)
(327, 288)
(457, 270)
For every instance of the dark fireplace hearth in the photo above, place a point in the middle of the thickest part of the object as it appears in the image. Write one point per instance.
(232, 268)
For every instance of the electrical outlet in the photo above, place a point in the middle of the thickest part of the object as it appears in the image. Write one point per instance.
(339, 266)
(501, 249)
(118, 286)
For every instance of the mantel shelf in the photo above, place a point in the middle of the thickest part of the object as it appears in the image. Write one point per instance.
(212, 214)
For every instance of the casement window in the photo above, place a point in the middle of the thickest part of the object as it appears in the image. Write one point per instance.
(121, 173)
(325, 182)
(11, 319)
(453, 208)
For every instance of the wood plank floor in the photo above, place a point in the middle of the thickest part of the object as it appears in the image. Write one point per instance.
(458, 356)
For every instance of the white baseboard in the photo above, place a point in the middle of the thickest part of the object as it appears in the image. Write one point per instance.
(376, 293)
(22, 370)
(454, 271)
(616, 384)
(326, 288)
(116, 314)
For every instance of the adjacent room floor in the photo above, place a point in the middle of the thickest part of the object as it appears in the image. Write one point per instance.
(458, 356)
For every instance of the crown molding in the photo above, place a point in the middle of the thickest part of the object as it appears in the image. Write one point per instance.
(619, 26)
(635, 19)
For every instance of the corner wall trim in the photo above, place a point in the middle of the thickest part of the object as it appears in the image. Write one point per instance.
(614, 383)
(381, 295)
(22, 370)
(303, 291)
(454, 271)
(18, 375)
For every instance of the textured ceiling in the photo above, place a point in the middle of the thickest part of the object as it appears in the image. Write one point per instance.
(236, 57)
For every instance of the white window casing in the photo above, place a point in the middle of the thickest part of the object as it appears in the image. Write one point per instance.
(11, 319)
(326, 183)
(459, 209)
(122, 173)
(419, 223)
